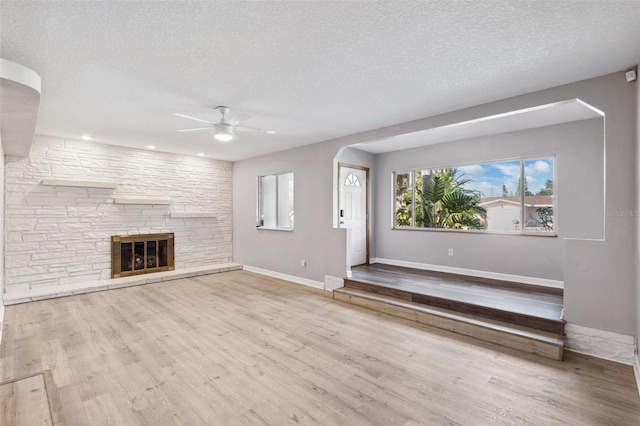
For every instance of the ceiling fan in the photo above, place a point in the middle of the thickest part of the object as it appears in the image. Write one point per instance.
(224, 129)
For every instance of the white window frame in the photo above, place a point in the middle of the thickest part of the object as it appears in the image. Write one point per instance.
(522, 231)
(278, 192)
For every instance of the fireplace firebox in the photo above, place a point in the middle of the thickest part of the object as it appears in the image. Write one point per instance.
(141, 254)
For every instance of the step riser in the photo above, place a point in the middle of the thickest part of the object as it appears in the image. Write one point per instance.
(488, 335)
(466, 308)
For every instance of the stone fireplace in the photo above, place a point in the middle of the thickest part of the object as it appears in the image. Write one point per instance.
(61, 211)
(141, 254)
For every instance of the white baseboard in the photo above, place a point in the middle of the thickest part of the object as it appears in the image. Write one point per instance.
(601, 344)
(286, 277)
(471, 272)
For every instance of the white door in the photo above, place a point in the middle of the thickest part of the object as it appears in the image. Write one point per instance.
(353, 211)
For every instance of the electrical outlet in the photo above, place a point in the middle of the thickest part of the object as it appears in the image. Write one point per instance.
(303, 263)
(450, 252)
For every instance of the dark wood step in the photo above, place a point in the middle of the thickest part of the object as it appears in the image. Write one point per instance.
(530, 313)
(525, 339)
(401, 276)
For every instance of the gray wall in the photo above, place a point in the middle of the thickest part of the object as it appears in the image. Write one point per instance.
(356, 157)
(579, 149)
(1, 230)
(1, 240)
(313, 239)
(599, 275)
(638, 208)
(600, 279)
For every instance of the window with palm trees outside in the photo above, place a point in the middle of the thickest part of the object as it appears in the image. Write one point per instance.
(514, 196)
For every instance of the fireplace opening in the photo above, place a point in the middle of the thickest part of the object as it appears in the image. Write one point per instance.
(141, 254)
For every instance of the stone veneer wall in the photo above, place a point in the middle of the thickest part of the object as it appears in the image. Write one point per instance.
(58, 235)
(1, 240)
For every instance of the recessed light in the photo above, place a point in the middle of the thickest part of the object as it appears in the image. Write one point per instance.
(151, 147)
(200, 154)
(86, 138)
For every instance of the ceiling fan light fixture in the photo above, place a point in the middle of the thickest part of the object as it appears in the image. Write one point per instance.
(224, 133)
(223, 137)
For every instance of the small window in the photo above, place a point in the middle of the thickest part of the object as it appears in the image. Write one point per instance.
(351, 180)
(404, 199)
(275, 201)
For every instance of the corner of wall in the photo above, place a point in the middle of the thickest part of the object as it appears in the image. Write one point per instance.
(637, 364)
(1, 321)
(636, 370)
(1, 241)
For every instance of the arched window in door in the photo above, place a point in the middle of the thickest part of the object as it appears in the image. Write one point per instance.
(351, 180)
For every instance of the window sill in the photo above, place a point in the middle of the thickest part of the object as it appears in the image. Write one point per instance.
(265, 228)
(472, 231)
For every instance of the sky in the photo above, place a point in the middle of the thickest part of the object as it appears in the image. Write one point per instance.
(488, 178)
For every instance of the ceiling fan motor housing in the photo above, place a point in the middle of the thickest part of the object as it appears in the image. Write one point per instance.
(224, 132)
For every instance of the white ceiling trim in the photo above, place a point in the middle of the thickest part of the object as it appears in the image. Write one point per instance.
(524, 119)
(19, 105)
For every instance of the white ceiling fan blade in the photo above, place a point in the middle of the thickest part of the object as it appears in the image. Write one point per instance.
(241, 117)
(196, 128)
(254, 130)
(192, 118)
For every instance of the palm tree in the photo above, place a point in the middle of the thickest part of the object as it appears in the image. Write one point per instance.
(404, 199)
(446, 203)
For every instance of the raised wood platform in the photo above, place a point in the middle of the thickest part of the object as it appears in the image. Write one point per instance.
(520, 316)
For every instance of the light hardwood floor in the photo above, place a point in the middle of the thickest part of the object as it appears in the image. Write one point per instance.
(24, 402)
(241, 348)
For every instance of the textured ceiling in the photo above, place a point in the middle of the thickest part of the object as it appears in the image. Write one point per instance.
(311, 71)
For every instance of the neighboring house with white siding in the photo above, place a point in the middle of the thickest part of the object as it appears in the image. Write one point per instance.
(503, 213)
